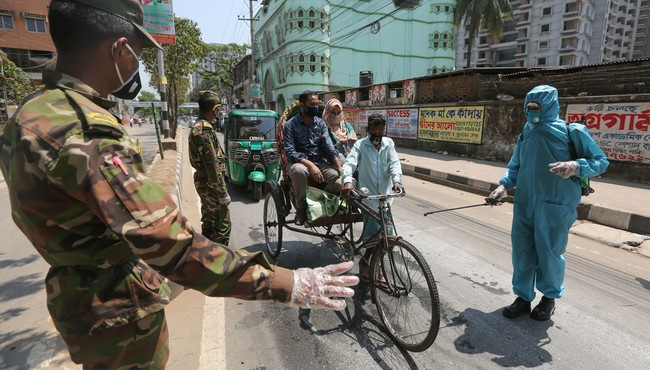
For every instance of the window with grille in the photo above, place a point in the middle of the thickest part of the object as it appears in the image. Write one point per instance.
(6, 22)
(35, 25)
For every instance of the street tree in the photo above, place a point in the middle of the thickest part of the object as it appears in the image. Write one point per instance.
(477, 14)
(147, 96)
(222, 79)
(181, 59)
(15, 82)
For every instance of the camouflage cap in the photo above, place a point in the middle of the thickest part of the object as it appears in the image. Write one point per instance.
(208, 96)
(129, 10)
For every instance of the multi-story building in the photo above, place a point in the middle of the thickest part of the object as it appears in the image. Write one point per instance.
(25, 36)
(563, 33)
(328, 45)
(207, 65)
(241, 79)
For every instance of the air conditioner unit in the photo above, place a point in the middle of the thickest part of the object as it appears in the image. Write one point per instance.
(365, 78)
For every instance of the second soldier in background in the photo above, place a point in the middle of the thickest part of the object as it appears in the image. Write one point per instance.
(206, 158)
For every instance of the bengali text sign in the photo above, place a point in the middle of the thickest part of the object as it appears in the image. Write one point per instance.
(454, 124)
(622, 130)
(402, 123)
(159, 20)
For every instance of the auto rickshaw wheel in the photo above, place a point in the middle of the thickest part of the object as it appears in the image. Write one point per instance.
(273, 218)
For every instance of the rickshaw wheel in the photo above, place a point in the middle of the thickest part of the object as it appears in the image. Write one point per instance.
(273, 219)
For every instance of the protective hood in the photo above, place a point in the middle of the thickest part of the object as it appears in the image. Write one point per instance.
(547, 97)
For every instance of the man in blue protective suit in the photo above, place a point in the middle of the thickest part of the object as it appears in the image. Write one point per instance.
(546, 201)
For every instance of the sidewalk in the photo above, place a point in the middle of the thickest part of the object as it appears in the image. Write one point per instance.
(616, 203)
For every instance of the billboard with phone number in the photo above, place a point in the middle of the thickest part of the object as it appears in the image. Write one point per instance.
(622, 130)
(159, 20)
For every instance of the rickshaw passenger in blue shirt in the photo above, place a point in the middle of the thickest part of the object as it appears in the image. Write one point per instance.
(310, 152)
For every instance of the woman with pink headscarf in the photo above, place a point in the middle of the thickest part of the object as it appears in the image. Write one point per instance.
(341, 132)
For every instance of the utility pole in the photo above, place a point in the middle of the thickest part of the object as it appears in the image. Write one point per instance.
(252, 27)
(250, 8)
(163, 95)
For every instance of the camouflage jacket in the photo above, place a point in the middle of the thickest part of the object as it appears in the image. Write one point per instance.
(206, 156)
(79, 191)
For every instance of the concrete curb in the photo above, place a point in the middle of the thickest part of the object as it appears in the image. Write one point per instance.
(177, 194)
(608, 216)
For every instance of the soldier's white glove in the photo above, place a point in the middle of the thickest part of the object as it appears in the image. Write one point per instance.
(224, 201)
(565, 169)
(498, 194)
(312, 288)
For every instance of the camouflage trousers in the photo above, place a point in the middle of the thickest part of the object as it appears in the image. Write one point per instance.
(215, 217)
(143, 344)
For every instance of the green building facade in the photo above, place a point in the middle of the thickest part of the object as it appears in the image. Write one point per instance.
(340, 44)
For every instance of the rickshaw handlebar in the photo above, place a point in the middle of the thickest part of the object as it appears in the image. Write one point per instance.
(363, 193)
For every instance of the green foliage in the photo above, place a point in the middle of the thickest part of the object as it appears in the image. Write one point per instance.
(181, 59)
(476, 14)
(15, 81)
(222, 80)
(147, 112)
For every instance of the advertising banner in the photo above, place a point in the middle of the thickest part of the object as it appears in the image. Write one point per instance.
(351, 98)
(620, 129)
(408, 92)
(453, 124)
(363, 120)
(402, 123)
(352, 116)
(378, 95)
(159, 20)
(256, 92)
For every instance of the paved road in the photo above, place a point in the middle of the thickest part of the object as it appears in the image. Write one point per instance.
(600, 323)
(148, 140)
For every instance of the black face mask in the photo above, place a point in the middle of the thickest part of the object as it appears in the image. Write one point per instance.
(131, 87)
(311, 111)
(375, 139)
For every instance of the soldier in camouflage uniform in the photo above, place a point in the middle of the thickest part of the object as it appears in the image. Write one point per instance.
(206, 157)
(79, 192)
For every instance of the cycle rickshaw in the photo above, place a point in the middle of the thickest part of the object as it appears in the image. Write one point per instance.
(401, 283)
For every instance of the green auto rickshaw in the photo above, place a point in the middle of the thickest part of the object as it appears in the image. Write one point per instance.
(251, 151)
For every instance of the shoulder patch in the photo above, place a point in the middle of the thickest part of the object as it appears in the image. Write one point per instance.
(103, 117)
(98, 120)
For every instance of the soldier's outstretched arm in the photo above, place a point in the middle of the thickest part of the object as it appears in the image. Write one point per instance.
(108, 174)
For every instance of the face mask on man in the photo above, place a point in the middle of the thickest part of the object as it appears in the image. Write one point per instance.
(131, 87)
(311, 111)
(376, 139)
